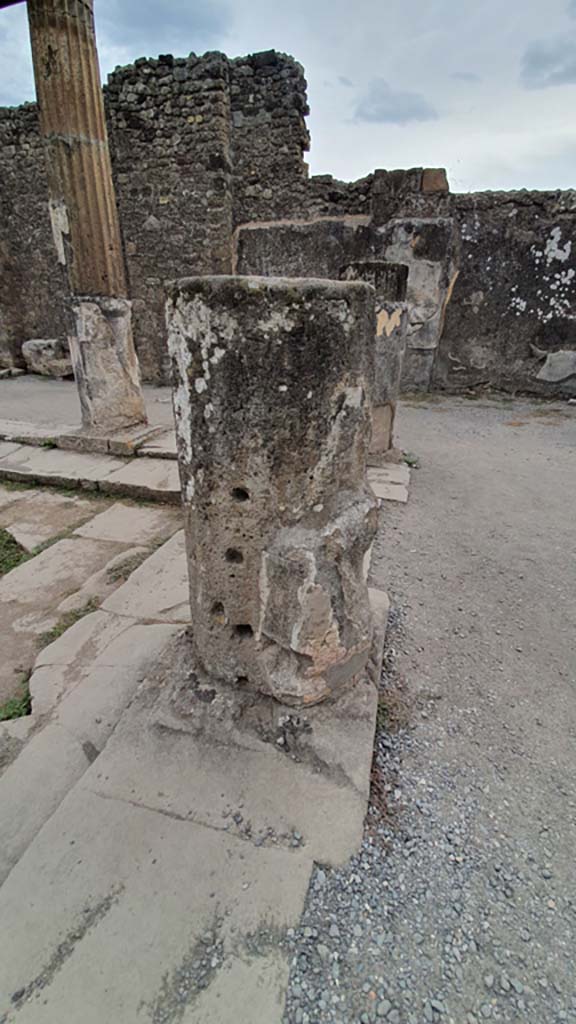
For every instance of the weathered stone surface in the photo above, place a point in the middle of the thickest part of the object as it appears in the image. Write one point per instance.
(558, 366)
(126, 523)
(429, 249)
(390, 482)
(154, 479)
(390, 282)
(315, 249)
(136, 894)
(273, 422)
(29, 597)
(27, 462)
(515, 297)
(158, 590)
(99, 585)
(33, 786)
(10, 497)
(50, 357)
(39, 517)
(105, 364)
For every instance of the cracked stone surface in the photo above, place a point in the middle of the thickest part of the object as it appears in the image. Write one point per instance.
(272, 405)
(189, 842)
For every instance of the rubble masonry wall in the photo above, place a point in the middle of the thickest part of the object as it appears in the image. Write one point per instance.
(203, 145)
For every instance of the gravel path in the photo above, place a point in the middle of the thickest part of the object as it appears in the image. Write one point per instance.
(461, 906)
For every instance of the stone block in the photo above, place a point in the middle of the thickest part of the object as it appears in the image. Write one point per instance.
(390, 482)
(390, 284)
(58, 467)
(389, 280)
(318, 248)
(49, 357)
(152, 479)
(126, 523)
(39, 517)
(135, 894)
(272, 404)
(33, 786)
(435, 179)
(158, 589)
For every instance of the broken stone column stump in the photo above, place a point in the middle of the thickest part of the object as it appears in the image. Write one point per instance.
(273, 410)
(105, 363)
(390, 282)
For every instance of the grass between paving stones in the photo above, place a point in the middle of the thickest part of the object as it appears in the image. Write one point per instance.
(20, 706)
(120, 572)
(11, 552)
(67, 620)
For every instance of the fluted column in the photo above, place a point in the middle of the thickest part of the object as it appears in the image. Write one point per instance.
(83, 206)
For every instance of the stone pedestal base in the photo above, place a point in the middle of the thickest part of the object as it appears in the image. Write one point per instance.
(105, 364)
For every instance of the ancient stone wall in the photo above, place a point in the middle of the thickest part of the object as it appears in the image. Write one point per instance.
(169, 127)
(513, 308)
(31, 282)
(203, 146)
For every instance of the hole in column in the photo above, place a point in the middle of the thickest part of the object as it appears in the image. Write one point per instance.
(243, 629)
(242, 680)
(233, 555)
(218, 613)
(240, 494)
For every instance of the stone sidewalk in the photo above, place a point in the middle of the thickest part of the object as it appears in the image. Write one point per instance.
(161, 831)
(79, 550)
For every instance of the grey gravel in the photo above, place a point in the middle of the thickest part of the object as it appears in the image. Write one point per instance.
(460, 906)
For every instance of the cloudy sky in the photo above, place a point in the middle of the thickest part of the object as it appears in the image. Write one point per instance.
(486, 88)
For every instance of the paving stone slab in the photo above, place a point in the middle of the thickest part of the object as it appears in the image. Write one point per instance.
(9, 497)
(85, 702)
(158, 590)
(33, 786)
(111, 907)
(205, 754)
(126, 524)
(25, 432)
(161, 447)
(57, 467)
(380, 604)
(85, 641)
(8, 448)
(44, 580)
(30, 595)
(156, 479)
(101, 584)
(38, 517)
(390, 482)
